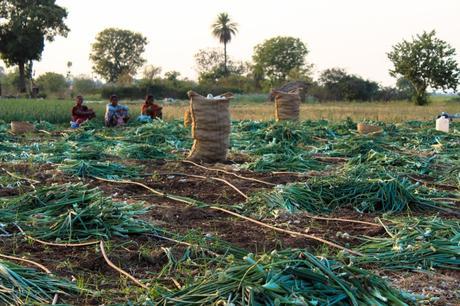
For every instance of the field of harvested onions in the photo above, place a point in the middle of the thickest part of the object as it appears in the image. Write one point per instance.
(306, 213)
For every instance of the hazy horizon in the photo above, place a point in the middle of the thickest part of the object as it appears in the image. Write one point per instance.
(355, 35)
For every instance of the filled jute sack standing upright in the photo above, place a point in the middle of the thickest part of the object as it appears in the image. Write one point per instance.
(287, 105)
(187, 118)
(210, 127)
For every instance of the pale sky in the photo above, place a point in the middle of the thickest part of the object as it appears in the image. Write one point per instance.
(353, 34)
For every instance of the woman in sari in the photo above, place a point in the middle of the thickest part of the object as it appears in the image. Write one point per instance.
(81, 113)
(149, 108)
(115, 114)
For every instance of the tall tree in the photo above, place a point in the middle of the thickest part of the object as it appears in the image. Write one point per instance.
(68, 76)
(210, 66)
(278, 56)
(117, 52)
(24, 27)
(2, 75)
(223, 29)
(426, 61)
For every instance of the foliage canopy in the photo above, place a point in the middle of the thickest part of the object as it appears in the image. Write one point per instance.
(24, 27)
(279, 56)
(426, 61)
(117, 52)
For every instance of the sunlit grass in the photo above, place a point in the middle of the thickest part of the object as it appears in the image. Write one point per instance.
(395, 111)
(58, 111)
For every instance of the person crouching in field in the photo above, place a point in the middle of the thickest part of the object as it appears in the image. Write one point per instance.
(115, 114)
(80, 113)
(149, 108)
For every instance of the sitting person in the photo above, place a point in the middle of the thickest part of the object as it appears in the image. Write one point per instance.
(80, 113)
(149, 108)
(115, 114)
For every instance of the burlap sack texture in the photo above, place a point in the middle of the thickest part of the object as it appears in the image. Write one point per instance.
(21, 127)
(187, 118)
(364, 128)
(210, 128)
(287, 105)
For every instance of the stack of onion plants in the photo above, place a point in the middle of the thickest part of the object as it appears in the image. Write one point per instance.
(140, 151)
(366, 195)
(290, 277)
(415, 243)
(25, 286)
(107, 170)
(160, 133)
(72, 212)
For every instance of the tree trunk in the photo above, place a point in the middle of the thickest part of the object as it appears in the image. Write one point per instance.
(225, 59)
(420, 97)
(22, 78)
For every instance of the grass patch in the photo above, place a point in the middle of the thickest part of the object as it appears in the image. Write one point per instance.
(242, 108)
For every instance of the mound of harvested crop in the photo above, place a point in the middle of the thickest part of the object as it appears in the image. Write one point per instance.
(72, 212)
(287, 278)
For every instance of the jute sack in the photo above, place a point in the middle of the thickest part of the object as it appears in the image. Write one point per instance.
(187, 118)
(287, 105)
(21, 127)
(210, 127)
(364, 128)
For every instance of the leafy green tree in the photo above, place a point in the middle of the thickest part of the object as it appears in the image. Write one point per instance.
(68, 75)
(10, 82)
(278, 56)
(339, 85)
(83, 85)
(151, 72)
(210, 68)
(426, 61)
(52, 83)
(300, 74)
(24, 27)
(206, 60)
(405, 87)
(2, 76)
(172, 75)
(333, 81)
(117, 53)
(223, 29)
(125, 79)
(257, 76)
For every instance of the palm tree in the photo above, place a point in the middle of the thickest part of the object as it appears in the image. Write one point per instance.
(223, 29)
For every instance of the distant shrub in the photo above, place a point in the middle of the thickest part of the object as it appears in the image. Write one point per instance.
(257, 98)
(84, 86)
(455, 99)
(176, 90)
(52, 84)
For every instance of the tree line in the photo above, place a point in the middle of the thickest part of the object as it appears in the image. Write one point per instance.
(424, 62)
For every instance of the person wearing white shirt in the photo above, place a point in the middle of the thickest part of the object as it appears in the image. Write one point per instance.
(115, 114)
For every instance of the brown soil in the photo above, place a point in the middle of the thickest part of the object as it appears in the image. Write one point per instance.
(144, 258)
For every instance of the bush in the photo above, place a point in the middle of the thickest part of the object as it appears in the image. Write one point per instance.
(123, 92)
(455, 99)
(10, 83)
(52, 84)
(84, 86)
(164, 89)
(255, 98)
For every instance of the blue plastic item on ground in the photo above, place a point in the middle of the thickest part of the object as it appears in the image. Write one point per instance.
(144, 118)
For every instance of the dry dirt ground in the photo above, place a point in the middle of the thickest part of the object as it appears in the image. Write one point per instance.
(142, 256)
